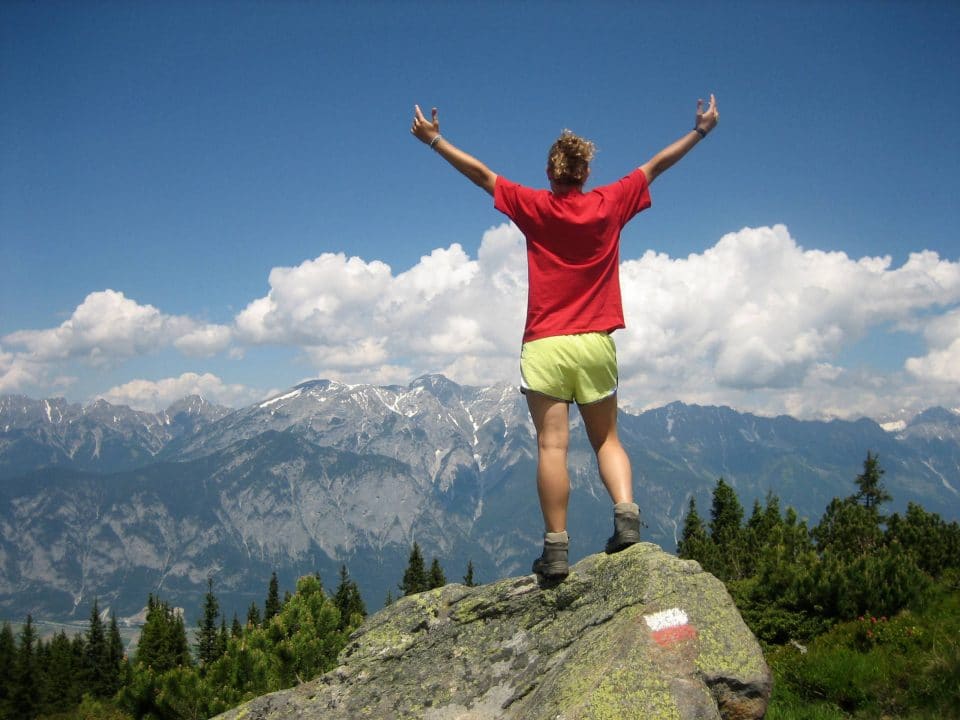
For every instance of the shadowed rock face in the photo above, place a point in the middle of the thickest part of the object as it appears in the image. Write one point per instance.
(640, 634)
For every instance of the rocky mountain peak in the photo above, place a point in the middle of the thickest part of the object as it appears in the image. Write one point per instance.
(637, 634)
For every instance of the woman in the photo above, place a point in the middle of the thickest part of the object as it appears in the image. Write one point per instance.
(573, 305)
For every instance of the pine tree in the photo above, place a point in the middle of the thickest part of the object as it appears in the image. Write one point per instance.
(436, 579)
(872, 493)
(62, 687)
(349, 602)
(99, 673)
(116, 657)
(694, 543)
(253, 616)
(163, 640)
(934, 543)
(8, 660)
(24, 703)
(726, 516)
(468, 578)
(415, 578)
(272, 605)
(208, 639)
(236, 629)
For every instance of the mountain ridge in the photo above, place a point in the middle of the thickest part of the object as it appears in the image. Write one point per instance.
(328, 473)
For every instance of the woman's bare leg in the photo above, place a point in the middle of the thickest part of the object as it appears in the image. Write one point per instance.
(600, 420)
(551, 420)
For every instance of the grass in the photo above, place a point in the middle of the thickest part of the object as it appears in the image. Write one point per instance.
(907, 667)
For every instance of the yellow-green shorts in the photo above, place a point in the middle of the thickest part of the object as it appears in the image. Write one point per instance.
(573, 368)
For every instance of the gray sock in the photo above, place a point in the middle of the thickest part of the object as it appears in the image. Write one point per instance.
(556, 537)
(625, 508)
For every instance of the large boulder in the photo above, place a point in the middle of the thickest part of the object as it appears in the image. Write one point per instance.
(639, 634)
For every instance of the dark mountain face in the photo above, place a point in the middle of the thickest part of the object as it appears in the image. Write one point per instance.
(108, 502)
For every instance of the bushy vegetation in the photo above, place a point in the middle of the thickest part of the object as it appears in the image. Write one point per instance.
(859, 615)
(290, 640)
(88, 677)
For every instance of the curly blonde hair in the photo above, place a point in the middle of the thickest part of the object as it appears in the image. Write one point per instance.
(568, 162)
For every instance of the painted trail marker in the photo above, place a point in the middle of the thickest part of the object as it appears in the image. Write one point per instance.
(670, 626)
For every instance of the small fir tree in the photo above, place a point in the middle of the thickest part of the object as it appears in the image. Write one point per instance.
(415, 577)
(253, 616)
(24, 701)
(468, 578)
(272, 605)
(349, 602)
(208, 638)
(436, 579)
(871, 493)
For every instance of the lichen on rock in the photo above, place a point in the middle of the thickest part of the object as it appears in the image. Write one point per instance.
(639, 634)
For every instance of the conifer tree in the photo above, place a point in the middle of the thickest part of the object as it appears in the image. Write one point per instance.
(24, 702)
(8, 660)
(208, 638)
(100, 674)
(116, 654)
(163, 639)
(933, 543)
(349, 602)
(253, 616)
(272, 605)
(468, 578)
(694, 542)
(726, 516)
(415, 577)
(871, 493)
(62, 687)
(236, 629)
(436, 579)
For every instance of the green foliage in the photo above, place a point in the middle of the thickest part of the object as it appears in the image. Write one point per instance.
(298, 643)
(468, 578)
(933, 543)
(436, 579)
(24, 702)
(163, 640)
(694, 543)
(8, 659)
(905, 666)
(209, 644)
(726, 533)
(349, 603)
(871, 493)
(253, 616)
(415, 578)
(271, 606)
(875, 599)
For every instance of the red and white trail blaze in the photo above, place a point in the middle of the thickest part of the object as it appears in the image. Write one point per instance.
(670, 626)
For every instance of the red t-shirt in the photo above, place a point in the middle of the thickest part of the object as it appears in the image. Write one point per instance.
(573, 252)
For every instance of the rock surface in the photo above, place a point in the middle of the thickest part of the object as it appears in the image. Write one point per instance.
(639, 634)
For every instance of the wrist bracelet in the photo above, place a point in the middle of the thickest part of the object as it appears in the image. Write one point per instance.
(700, 131)
(433, 143)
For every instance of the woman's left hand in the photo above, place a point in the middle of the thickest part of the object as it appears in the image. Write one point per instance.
(423, 129)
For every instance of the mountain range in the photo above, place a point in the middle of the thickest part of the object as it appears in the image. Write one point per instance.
(106, 502)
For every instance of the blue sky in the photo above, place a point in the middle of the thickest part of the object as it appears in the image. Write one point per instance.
(223, 197)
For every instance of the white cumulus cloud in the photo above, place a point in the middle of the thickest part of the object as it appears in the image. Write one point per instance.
(108, 327)
(757, 311)
(352, 316)
(155, 395)
(942, 363)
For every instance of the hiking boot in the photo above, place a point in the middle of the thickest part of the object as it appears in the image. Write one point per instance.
(553, 562)
(626, 527)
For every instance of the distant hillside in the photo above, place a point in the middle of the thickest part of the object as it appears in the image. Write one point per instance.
(103, 501)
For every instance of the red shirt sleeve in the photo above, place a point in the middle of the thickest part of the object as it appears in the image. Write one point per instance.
(633, 194)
